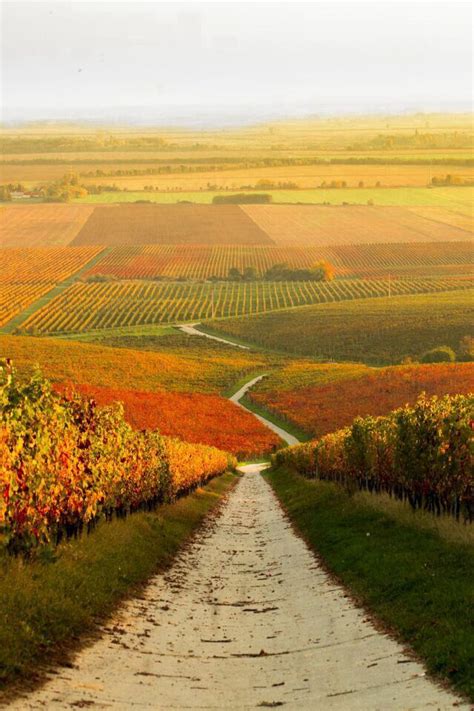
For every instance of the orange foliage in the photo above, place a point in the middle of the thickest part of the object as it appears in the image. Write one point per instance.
(194, 417)
(325, 408)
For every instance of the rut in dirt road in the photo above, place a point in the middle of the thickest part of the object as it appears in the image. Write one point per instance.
(246, 618)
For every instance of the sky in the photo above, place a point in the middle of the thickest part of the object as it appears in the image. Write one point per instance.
(152, 62)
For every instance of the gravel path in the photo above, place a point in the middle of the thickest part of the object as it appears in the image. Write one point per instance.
(190, 329)
(244, 619)
(237, 397)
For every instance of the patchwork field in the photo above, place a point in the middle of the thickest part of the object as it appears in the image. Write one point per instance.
(41, 225)
(194, 417)
(100, 305)
(307, 225)
(374, 331)
(205, 261)
(27, 274)
(168, 224)
(326, 398)
(47, 225)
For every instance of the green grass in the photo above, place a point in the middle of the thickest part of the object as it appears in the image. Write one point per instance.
(414, 575)
(47, 603)
(458, 198)
(374, 331)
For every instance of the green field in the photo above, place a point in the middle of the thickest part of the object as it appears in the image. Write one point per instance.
(459, 199)
(374, 331)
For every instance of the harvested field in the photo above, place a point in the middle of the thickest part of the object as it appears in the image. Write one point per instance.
(204, 261)
(101, 305)
(446, 217)
(310, 225)
(170, 224)
(41, 225)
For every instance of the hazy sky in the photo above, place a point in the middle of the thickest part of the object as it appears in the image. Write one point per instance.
(66, 58)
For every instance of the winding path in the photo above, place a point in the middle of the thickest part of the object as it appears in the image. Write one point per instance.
(236, 399)
(245, 618)
(191, 330)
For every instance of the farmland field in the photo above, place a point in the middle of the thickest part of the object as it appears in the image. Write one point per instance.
(144, 224)
(41, 225)
(204, 261)
(308, 224)
(191, 177)
(458, 199)
(325, 398)
(299, 225)
(99, 305)
(374, 331)
(220, 423)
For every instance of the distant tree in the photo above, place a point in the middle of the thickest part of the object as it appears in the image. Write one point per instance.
(324, 270)
(440, 354)
(250, 274)
(466, 348)
(234, 274)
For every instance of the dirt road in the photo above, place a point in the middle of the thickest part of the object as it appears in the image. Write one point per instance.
(244, 619)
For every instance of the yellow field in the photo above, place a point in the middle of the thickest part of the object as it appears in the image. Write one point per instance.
(41, 225)
(306, 176)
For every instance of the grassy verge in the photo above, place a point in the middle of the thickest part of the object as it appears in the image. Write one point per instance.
(46, 604)
(416, 575)
(286, 425)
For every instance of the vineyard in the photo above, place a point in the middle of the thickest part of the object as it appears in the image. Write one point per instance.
(323, 398)
(87, 306)
(184, 367)
(205, 261)
(27, 274)
(84, 463)
(421, 454)
(374, 331)
(193, 417)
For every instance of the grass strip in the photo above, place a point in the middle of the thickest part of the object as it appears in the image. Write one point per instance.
(418, 581)
(45, 604)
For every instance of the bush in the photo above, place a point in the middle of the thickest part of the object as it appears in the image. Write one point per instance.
(242, 198)
(440, 354)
